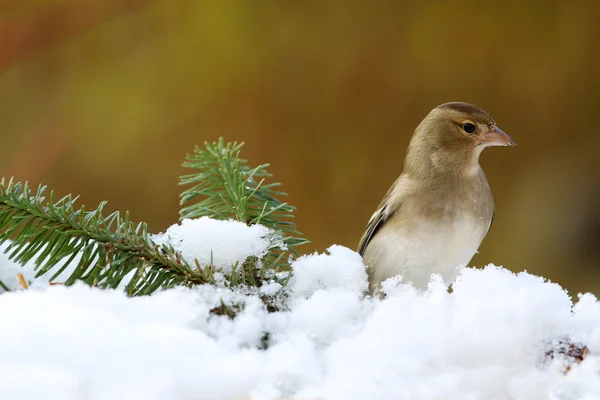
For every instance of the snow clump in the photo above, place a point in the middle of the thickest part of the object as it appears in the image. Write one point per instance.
(220, 243)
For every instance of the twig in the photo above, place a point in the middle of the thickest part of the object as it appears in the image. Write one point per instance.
(22, 281)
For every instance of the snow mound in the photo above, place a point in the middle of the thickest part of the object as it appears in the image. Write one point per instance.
(342, 267)
(497, 335)
(220, 243)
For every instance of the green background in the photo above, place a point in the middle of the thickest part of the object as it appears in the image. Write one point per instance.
(105, 98)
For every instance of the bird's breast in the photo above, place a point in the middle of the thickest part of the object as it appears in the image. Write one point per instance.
(424, 247)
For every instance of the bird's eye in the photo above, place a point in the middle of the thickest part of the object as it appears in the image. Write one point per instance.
(469, 128)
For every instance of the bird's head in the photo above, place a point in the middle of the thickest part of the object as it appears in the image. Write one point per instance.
(464, 125)
(452, 136)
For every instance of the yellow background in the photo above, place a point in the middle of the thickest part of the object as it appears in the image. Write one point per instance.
(105, 98)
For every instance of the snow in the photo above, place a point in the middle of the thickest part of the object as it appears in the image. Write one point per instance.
(342, 267)
(489, 338)
(9, 272)
(220, 243)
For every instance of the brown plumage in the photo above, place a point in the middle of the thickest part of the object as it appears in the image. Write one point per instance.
(434, 217)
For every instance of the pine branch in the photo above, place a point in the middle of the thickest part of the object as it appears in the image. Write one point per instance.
(109, 248)
(105, 250)
(227, 188)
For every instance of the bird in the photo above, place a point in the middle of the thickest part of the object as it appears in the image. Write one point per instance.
(436, 214)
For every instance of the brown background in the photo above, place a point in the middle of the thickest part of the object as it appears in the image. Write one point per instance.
(105, 98)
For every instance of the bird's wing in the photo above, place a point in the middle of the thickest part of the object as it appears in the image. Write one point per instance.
(376, 221)
(491, 223)
(385, 210)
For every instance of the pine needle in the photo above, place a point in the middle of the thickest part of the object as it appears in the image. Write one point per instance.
(22, 281)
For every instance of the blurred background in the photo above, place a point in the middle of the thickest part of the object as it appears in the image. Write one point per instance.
(104, 98)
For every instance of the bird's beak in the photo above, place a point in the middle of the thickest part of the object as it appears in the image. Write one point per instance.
(497, 137)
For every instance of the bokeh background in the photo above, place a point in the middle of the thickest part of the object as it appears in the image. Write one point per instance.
(104, 98)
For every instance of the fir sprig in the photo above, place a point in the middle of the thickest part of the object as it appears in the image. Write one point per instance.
(227, 188)
(105, 248)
